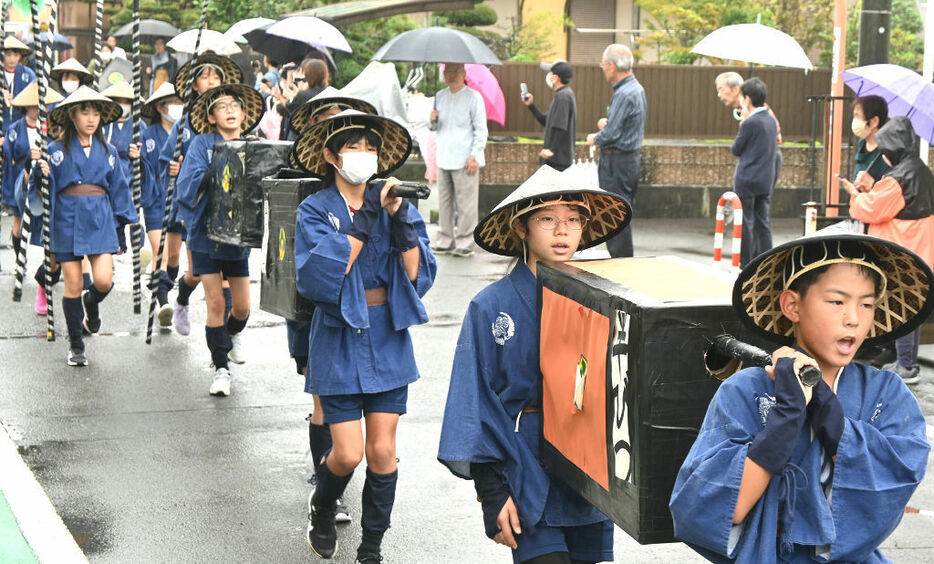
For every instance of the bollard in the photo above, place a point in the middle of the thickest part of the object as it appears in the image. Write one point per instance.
(737, 230)
(810, 217)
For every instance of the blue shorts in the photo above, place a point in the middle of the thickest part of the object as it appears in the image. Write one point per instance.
(202, 263)
(584, 543)
(348, 407)
(154, 217)
(68, 257)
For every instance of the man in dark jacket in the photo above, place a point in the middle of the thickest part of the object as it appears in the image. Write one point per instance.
(755, 171)
(560, 120)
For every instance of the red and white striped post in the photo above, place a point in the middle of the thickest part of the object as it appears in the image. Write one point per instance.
(737, 230)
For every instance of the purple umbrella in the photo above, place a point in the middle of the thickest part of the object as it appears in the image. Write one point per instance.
(907, 93)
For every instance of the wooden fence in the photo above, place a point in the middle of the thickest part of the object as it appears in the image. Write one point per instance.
(681, 100)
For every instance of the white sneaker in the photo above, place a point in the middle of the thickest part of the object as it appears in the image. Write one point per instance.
(236, 354)
(341, 515)
(221, 384)
(165, 315)
(145, 258)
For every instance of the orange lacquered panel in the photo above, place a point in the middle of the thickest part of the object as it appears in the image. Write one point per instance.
(574, 338)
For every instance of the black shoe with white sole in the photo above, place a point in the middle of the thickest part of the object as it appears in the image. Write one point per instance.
(321, 533)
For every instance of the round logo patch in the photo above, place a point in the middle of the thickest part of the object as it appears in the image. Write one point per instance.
(57, 158)
(281, 243)
(150, 145)
(12, 135)
(112, 160)
(186, 135)
(226, 182)
(503, 328)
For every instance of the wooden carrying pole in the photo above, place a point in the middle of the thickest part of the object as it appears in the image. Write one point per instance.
(835, 131)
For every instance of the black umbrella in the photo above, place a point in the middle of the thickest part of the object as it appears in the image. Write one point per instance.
(149, 30)
(283, 50)
(436, 45)
(60, 43)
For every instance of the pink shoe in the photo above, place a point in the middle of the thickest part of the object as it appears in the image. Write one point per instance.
(42, 306)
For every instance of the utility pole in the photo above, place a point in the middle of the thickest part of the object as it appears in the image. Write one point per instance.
(928, 69)
(875, 21)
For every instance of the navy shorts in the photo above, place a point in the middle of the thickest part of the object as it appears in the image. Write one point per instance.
(68, 257)
(154, 217)
(348, 407)
(584, 543)
(202, 263)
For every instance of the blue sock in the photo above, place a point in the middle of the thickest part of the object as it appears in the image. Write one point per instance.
(87, 280)
(330, 486)
(219, 344)
(172, 271)
(235, 325)
(74, 315)
(184, 291)
(379, 494)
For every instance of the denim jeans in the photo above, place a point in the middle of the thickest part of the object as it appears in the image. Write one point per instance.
(907, 348)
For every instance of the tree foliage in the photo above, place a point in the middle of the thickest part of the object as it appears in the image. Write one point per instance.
(480, 15)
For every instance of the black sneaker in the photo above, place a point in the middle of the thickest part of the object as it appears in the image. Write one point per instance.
(321, 533)
(369, 558)
(92, 315)
(76, 355)
(438, 250)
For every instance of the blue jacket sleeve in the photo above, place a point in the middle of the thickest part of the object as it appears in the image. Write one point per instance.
(193, 169)
(405, 292)
(120, 198)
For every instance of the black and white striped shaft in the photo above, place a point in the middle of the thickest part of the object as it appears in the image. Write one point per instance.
(136, 165)
(43, 66)
(172, 179)
(98, 38)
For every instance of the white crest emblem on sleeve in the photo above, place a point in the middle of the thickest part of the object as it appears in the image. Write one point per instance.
(150, 145)
(12, 135)
(186, 135)
(111, 160)
(765, 404)
(334, 221)
(57, 158)
(503, 328)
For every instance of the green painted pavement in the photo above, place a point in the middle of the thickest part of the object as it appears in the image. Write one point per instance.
(13, 547)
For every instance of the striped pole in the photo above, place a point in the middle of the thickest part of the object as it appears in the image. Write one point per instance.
(135, 230)
(98, 38)
(157, 269)
(737, 230)
(21, 255)
(44, 149)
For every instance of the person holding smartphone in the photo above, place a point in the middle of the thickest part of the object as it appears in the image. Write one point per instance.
(560, 119)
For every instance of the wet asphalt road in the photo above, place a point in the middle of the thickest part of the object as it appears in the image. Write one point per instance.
(144, 466)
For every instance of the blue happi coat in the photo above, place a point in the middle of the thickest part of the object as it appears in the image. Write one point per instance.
(193, 200)
(153, 190)
(355, 348)
(168, 151)
(120, 135)
(496, 373)
(87, 225)
(22, 77)
(880, 461)
(15, 155)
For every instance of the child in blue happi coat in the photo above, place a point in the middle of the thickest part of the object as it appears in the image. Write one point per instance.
(223, 113)
(783, 472)
(90, 200)
(362, 257)
(492, 421)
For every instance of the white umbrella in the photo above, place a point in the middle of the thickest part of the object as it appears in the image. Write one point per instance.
(311, 30)
(211, 40)
(237, 30)
(754, 43)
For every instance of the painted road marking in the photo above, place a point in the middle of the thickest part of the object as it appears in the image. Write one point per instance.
(47, 535)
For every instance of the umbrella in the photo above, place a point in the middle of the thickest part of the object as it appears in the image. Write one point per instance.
(754, 43)
(482, 80)
(311, 30)
(281, 49)
(211, 40)
(237, 30)
(149, 30)
(60, 43)
(907, 93)
(436, 45)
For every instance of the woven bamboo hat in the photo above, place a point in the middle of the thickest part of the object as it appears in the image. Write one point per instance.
(250, 99)
(119, 89)
(30, 96)
(229, 71)
(609, 213)
(308, 151)
(13, 44)
(71, 65)
(110, 110)
(163, 93)
(904, 301)
(330, 97)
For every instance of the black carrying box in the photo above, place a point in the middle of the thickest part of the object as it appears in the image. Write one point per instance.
(235, 192)
(638, 329)
(278, 288)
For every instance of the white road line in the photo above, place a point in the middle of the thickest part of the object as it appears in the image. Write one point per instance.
(47, 535)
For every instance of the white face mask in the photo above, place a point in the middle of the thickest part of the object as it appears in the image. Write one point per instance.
(548, 80)
(359, 166)
(126, 110)
(69, 86)
(859, 128)
(173, 112)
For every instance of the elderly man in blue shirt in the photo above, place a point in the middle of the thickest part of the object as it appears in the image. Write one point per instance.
(620, 137)
(459, 118)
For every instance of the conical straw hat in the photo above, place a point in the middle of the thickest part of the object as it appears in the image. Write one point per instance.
(394, 150)
(30, 96)
(609, 213)
(120, 89)
(251, 100)
(327, 98)
(15, 44)
(230, 72)
(110, 110)
(905, 301)
(165, 91)
(71, 65)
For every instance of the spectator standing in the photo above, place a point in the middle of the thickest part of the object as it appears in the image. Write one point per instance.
(560, 120)
(309, 80)
(117, 51)
(459, 118)
(107, 53)
(755, 172)
(620, 137)
(163, 66)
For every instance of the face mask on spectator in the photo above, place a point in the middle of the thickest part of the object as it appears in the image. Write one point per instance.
(859, 128)
(548, 80)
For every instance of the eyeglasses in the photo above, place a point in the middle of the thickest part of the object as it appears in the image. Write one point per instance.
(550, 223)
(224, 106)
